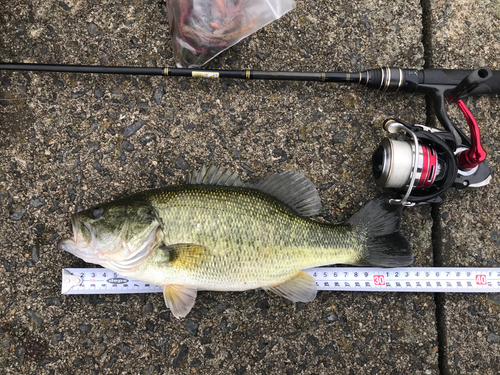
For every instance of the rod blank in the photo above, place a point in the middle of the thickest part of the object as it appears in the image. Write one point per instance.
(83, 69)
(180, 72)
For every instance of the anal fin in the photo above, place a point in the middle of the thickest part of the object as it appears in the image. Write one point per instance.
(301, 287)
(179, 299)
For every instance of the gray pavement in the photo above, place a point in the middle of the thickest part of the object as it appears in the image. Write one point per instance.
(67, 142)
(468, 34)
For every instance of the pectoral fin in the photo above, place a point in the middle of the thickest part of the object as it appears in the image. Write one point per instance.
(179, 299)
(300, 288)
(184, 255)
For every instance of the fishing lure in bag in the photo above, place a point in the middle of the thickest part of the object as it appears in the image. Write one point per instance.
(201, 29)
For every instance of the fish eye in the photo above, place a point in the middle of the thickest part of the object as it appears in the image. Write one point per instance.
(97, 212)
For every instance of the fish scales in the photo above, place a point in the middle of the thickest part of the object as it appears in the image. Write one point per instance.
(218, 233)
(253, 240)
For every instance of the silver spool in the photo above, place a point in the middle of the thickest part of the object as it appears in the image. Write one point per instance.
(398, 157)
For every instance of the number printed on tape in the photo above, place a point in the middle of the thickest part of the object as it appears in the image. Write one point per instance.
(379, 279)
(481, 280)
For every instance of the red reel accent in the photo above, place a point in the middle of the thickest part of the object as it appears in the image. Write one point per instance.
(475, 155)
(429, 167)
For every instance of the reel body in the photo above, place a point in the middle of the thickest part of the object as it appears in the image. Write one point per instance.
(424, 166)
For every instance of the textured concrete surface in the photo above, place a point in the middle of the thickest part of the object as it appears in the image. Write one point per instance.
(70, 141)
(467, 34)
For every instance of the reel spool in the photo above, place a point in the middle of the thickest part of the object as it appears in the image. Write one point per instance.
(393, 164)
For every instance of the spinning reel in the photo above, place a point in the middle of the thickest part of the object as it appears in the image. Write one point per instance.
(430, 161)
(421, 168)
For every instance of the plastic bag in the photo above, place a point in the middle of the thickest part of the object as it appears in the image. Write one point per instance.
(201, 29)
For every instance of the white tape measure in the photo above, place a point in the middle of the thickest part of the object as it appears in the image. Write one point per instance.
(362, 279)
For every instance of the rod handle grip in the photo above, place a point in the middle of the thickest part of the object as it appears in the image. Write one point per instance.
(472, 82)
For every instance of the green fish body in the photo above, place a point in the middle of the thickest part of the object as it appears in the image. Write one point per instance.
(217, 233)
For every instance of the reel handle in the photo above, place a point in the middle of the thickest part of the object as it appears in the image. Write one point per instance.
(439, 84)
(457, 85)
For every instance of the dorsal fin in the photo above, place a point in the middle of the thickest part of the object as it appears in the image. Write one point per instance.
(294, 189)
(290, 187)
(214, 176)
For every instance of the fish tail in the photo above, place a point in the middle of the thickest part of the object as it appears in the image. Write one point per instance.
(383, 245)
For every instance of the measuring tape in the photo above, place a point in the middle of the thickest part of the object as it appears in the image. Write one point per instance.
(362, 279)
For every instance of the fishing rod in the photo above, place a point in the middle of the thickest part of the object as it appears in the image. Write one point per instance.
(419, 169)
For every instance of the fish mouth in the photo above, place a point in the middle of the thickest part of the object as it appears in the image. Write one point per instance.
(78, 245)
(88, 254)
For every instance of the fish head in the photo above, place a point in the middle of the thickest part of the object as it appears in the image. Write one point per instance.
(118, 235)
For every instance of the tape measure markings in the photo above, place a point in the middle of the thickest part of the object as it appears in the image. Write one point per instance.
(371, 279)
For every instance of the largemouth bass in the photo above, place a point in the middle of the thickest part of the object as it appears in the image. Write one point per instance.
(217, 233)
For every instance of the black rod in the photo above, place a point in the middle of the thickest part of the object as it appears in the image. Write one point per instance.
(180, 72)
(83, 69)
(384, 79)
(438, 83)
(377, 78)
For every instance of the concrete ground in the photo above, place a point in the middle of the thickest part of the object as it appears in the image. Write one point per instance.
(71, 141)
(467, 34)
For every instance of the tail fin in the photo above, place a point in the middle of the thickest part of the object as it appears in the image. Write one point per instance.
(384, 246)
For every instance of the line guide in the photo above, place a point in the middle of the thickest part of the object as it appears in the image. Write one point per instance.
(351, 279)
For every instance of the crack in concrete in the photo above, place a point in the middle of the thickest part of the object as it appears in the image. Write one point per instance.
(439, 298)
(437, 233)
